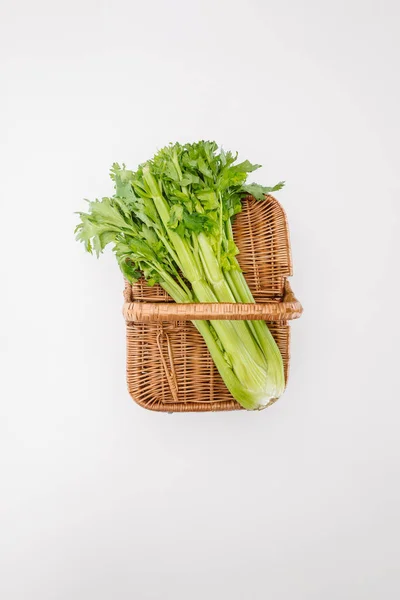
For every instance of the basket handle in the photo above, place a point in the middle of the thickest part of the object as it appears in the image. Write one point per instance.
(289, 308)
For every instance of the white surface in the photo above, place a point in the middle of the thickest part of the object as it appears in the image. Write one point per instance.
(102, 499)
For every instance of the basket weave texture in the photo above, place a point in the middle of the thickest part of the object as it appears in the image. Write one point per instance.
(169, 367)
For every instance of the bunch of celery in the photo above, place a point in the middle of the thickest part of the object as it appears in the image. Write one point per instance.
(171, 222)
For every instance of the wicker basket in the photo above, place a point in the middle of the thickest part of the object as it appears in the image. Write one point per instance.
(169, 367)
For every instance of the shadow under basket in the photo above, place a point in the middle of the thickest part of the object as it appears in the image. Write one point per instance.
(169, 367)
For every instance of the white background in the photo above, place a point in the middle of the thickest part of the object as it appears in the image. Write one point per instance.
(103, 500)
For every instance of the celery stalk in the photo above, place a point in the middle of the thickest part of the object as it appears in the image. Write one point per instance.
(171, 222)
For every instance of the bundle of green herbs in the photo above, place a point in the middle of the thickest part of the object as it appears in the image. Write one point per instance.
(170, 221)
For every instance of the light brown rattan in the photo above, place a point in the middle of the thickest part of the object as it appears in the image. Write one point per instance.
(169, 367)
(289, 308)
